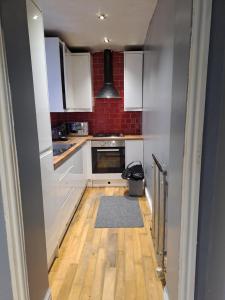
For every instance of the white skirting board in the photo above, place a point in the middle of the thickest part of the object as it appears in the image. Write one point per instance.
(109, 182)
(48, 295)
(109, 179)
(148, 197)
(165, 294)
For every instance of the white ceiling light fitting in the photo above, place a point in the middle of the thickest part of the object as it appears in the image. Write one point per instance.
(106, 40)
(102, 17)
(35, 17)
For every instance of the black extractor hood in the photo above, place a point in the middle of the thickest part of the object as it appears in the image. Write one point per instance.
(108, 90)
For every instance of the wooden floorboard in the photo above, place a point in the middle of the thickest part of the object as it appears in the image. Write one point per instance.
(105, 263)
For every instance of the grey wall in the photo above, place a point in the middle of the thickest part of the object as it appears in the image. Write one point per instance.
(157, 95)
(210, 274)
(5, 280)
(14, 24)
(183, 19)
(166, 67)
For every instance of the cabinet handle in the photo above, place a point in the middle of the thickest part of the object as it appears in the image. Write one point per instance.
(108, 150)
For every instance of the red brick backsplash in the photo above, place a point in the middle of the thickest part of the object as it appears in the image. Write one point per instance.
(108, 115)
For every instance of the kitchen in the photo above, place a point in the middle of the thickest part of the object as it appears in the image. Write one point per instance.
(97, 103)
(94, 103)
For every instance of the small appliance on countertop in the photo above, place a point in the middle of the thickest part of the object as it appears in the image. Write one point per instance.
(77, 128)
(59, 133)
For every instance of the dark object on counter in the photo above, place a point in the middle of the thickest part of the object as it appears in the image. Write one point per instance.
(133, 171)
(77, 128)
(59, 133)
(63, 138)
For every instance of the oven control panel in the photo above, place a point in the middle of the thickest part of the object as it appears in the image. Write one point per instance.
(105, 144)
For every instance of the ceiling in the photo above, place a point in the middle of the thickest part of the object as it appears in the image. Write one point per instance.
(76, 22)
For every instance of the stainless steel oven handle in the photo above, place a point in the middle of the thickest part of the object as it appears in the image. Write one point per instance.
(108, 150)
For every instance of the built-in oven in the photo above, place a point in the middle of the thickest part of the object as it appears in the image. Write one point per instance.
(108, 156)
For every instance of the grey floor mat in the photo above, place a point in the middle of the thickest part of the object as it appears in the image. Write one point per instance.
(119, 212)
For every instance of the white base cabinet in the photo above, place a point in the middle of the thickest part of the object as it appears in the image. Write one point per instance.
(133, 151)
(87, 160)
(50, 203)
(71, 178)
(68, 183)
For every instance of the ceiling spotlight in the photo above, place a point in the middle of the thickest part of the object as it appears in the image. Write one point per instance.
(35, 17)
(106, 40)
(102, 17)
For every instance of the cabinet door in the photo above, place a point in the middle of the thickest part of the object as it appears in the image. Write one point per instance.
(69, 89)
(133, 151)
(87, 161)
(38, 60)
(50, 204)
(53, 59)
(64, 181)
(79, 78)
(65, 188)
(133, 64)
(71, 183)
(78, 171)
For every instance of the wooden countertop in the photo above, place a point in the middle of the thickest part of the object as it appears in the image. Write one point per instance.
(80, 141)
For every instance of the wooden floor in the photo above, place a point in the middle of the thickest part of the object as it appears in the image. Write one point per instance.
(105, 263)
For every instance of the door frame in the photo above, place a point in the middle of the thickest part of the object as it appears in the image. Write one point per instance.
(200, 39)
(10, 184)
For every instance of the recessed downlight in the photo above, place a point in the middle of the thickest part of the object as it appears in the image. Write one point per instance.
(102, 17)
(106, 40)
(35, 17)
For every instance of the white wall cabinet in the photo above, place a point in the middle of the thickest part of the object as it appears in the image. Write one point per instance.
(133, 77)
(133, 151)
(79, 95)
(55, 57)
(69, 78)
(69, 89)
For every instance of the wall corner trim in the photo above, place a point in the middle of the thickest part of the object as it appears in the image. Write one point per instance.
(193, 146)
(48, 295)
(165, 294)
(149, 199)
(10, 185)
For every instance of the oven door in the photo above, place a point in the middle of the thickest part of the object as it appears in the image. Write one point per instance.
(108, 160)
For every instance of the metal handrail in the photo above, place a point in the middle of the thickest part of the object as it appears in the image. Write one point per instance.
(159, 165)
